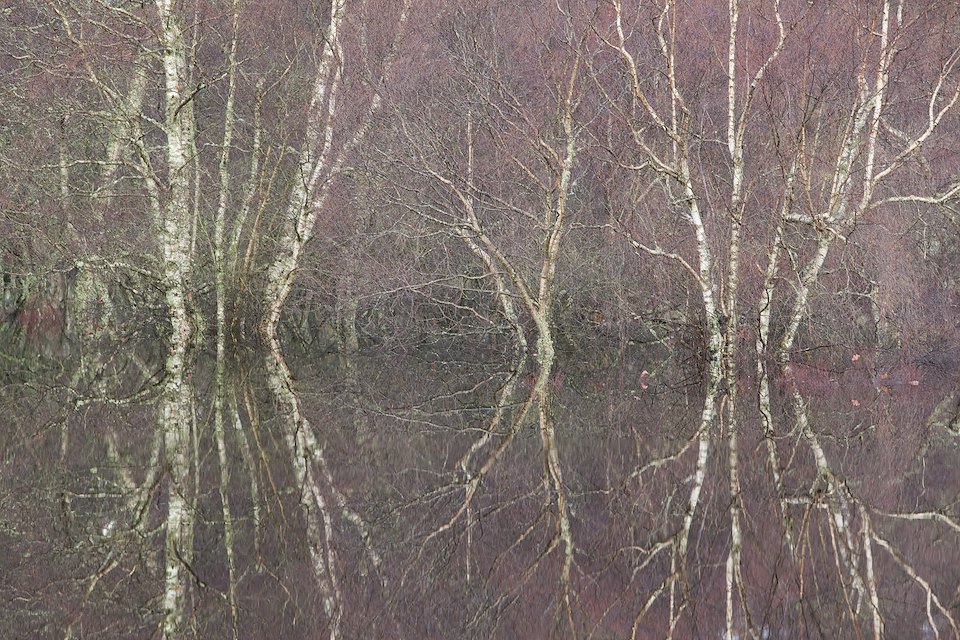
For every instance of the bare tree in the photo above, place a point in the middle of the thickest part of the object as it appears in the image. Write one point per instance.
(325, 149)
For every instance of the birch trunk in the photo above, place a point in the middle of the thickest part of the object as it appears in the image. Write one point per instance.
(320, 159)
(314, 163)
(860, 138)
(767, 294)
(302, 447)
(177, 400)
(537, 301)
(676, 170)
(316, 491)
(220, 264)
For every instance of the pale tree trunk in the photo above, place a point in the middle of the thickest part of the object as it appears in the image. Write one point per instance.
(504, 299)
(539, 306)
(735, 136)
(842, 214)
(507, 308)
(661, 130)
(124, 128)
(546, 352)
(137, 495)
(718, 283)
(316, 490)
(838, 504)
(309, 189)
(509, 282)
(854, 555)
(838, 213)
(302, 447)
(176, 416)
(714, 364)
(677, 170)
(737, 120)
(171, 458)
(321, 158)
(763, 374)
(249, 463)
(220, 264)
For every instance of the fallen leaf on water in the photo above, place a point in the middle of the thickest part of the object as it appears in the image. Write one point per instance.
(644, 375)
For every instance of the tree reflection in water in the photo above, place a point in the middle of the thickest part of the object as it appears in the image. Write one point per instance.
(415, 495)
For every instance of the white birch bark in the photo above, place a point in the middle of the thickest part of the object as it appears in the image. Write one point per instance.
(298, 436)
(176, 417)
(842, 214)
(736, 141)
(875, 614)
(220, 264)
(308, 193)
(677, 170)
(320, 159)
(504, 297)
(537, 302)
(314, 482)
(838, 506)
(767, 294)
(250, 465)
(712, 275)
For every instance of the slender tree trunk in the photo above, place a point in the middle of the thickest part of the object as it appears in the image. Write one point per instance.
(177, 399)
(309, 189)
(302, 447)
(767, 295)
(220, 264)
(321, 159)
(318, 494)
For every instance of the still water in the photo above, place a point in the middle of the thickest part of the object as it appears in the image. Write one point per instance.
(411, 495)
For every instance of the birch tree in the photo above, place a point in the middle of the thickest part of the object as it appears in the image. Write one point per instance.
(177, 412)
(539, 147)
(324, 152)
(669, 131)
(661, 124)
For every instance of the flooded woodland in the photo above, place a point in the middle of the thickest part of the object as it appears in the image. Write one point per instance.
(411, 493)
(381, 319)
